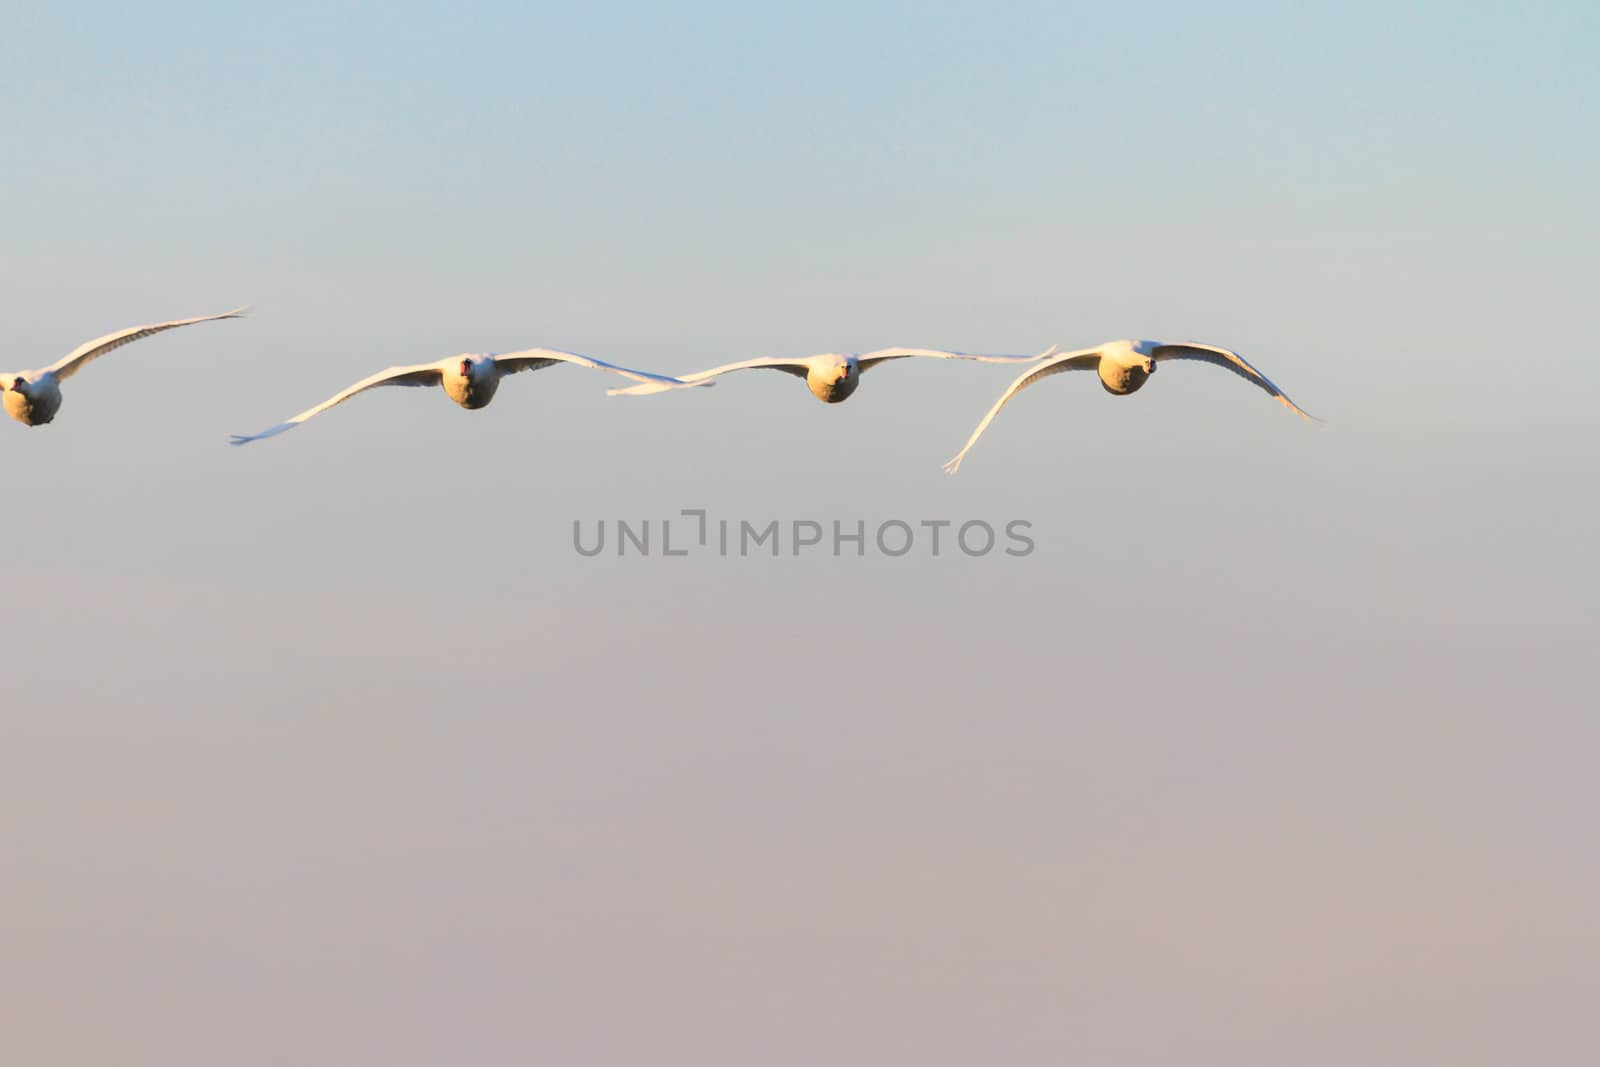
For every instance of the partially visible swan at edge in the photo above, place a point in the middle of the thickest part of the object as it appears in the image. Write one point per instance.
(1123, 367)
(33, 397)
(469, 380)
(831, 376)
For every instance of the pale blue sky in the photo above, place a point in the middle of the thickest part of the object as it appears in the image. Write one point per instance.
(331, 749)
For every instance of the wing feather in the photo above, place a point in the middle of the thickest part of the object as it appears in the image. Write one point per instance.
(87, 353)
(799, 368)
(1084, 359)
(1229, 360)
(539, 358)
(420, 375)
(871, 359)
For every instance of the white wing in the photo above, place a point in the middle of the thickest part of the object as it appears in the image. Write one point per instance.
(798, 367)
(423, 374)
(1085, 359)
(869, 360)
(539, 358)
(1230, 360)
(85, 354)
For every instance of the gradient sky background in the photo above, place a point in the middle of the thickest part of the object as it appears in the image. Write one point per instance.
(1280, 748)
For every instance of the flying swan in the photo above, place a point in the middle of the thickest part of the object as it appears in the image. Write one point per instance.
(1123, 367)
(33, 397)
(831, 376)
(469, 380)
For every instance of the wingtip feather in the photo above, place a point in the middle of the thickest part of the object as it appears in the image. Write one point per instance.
(1298, 410)
(246, 438)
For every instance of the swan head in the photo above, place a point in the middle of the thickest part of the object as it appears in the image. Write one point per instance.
(465, 367)
(843, 376)
(19, 384)
(833, 369)
(1140, 355)
(1126, 364)
(834, 379)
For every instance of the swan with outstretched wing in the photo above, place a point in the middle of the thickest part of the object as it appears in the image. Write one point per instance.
(831, 376)
(33, 397)
(1124, 366)
(469, 380)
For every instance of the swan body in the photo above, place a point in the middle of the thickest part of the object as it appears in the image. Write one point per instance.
(33, 397)
(831, 376)
(1123, 367)
(470, 380)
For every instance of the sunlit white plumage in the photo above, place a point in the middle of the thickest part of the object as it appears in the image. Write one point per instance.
(831, 376)
(1124, 366)
(33, 397)
(469, 380)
